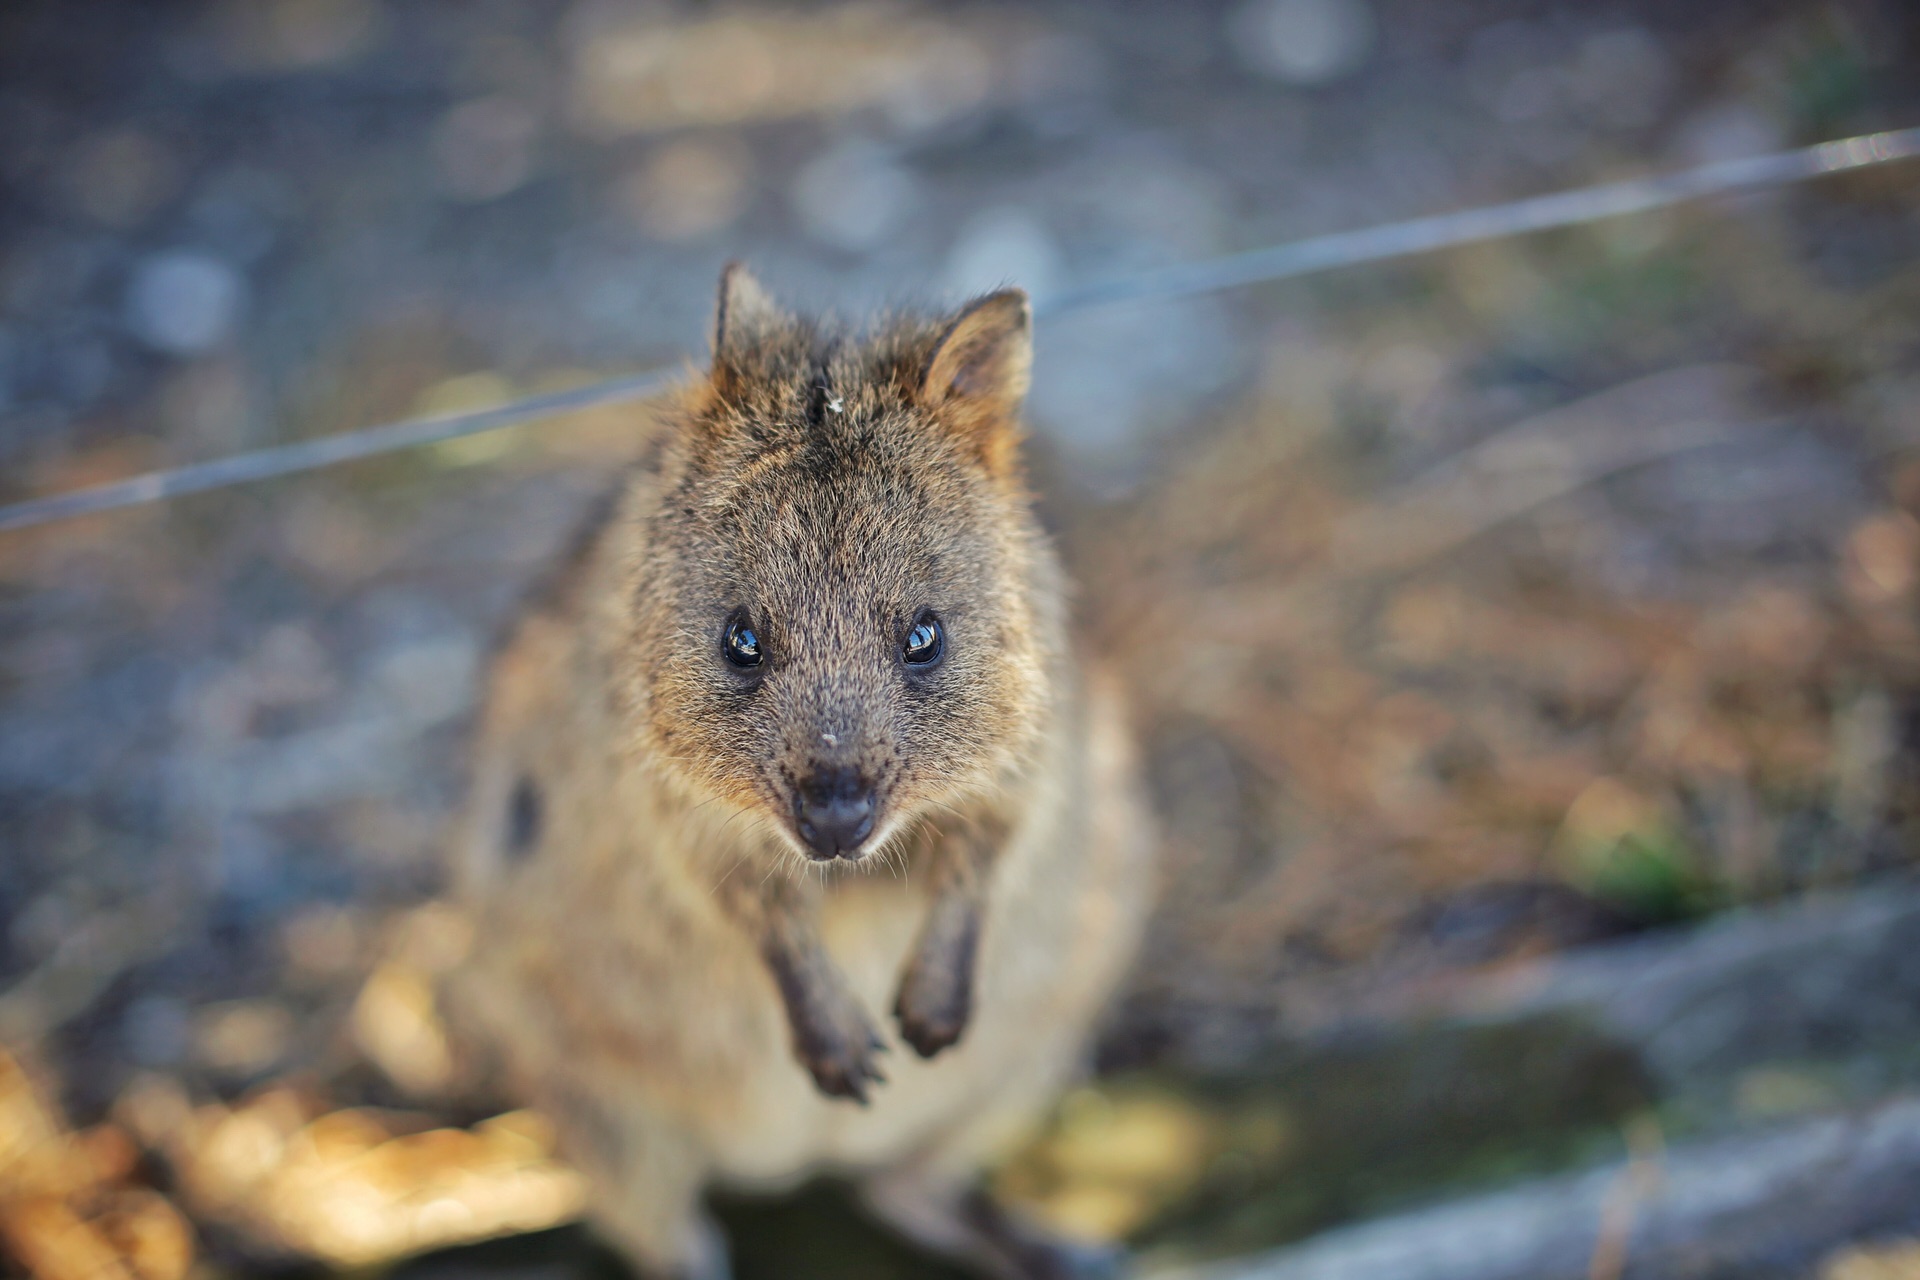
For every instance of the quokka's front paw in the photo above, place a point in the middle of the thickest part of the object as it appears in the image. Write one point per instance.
(835, 1042)
(934, 1005)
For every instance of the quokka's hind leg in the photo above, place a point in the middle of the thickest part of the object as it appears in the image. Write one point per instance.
(963, 1221)
(644, 1177)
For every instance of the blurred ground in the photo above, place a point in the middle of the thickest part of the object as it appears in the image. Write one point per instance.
(1478, 606)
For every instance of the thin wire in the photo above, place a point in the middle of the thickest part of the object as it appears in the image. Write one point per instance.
(1277, 262)
(306, 455)
(1471, 226)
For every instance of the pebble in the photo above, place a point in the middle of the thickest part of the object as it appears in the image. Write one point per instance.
(1303, 42)
(182, 302)
(853, 196)
(424, 682)
(1062, 84)
(242, 1037)
(121, 177)
(240, 210)
(1728, 130)
(945, 80)
(1624, 75)
(484, 149)
(158, 1030)
(1104, 380)
(688, 188)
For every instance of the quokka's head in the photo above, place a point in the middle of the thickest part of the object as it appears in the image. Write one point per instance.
(844, 616)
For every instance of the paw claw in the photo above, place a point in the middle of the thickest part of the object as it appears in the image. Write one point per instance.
(837, 1049)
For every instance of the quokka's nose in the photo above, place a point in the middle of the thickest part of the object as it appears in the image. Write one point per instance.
(834, 812)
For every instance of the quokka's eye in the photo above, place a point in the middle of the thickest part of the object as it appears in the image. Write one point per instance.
(742, 644)
(924, 643)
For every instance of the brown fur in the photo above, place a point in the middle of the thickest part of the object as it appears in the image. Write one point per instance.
(656, 942)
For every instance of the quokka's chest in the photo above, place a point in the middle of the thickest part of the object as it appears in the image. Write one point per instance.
(868, 924)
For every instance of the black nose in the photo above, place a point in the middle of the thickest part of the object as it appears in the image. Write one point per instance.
(834, 812)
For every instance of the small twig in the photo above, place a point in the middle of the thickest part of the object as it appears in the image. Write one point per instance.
(1637, 1184)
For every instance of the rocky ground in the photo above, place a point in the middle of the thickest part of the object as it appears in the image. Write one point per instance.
(1478, 606)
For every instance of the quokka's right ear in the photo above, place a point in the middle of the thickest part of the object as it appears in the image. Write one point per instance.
(746, 315)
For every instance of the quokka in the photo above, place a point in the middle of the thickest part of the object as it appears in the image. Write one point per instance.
(798, 737)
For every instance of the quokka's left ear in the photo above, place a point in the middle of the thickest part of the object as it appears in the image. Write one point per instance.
(979, 370)
(978, 375)
(986, 354)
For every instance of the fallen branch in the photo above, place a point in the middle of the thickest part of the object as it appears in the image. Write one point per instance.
(1772, 1204)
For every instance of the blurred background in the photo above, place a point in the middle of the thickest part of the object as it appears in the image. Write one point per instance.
(1523, 636)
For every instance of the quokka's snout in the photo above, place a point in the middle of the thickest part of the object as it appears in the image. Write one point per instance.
(835, 778)
(833, 811)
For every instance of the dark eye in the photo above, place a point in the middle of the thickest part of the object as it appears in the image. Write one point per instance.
(742, 644)
(923, 644)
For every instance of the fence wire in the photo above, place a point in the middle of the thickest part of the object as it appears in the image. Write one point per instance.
(1254, 266)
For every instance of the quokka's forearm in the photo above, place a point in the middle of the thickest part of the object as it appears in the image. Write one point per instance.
(935, 1001)
(833, 1038)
